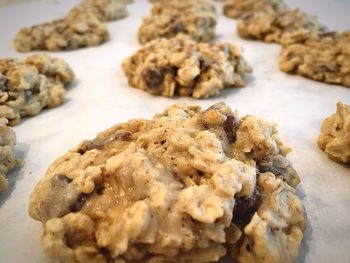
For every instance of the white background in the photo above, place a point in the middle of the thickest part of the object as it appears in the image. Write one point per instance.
(100, 97)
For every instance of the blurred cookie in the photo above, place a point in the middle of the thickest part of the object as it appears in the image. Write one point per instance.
(334, 138)
(29, 85)
(7, 156)
(196, 19)
(325, 59)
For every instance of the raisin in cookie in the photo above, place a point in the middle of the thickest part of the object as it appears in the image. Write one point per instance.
(181, 187)
(7, 156)
(196, 19)
(324, 59)
(335, 135)
(29, 85)
(180, 66)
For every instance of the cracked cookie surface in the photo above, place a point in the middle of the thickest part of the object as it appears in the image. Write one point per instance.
(197, 19)
(325, 59)
(180, 187)
(29, 85)
(8, 160)
(180, 66)
(334, 138)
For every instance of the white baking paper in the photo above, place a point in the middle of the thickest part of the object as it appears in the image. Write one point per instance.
(101, 97)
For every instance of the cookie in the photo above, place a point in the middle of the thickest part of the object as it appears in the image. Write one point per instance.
(8, 160)
(334, 138)
(288, 27)
(180, 66)
(80, 28)
(196, 19)
(105, 10)
(29, 85)
(239, 8)
(273, 21)
(181, 187)
(325, 59)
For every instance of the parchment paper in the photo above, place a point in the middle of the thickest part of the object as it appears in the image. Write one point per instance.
(101, 97)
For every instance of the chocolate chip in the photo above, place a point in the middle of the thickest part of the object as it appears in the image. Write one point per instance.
(100, 189)
(153, 77)
(78, 204)
(107, 253)
(230, 128)
(171, 70)
(246, 207)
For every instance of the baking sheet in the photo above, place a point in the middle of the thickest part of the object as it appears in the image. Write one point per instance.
(101, 97)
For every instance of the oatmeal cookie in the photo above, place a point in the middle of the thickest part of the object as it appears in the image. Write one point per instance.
(334, 138)
(286, 27)
(166, 6)
(196, 19)
(180, 66)
(178, 188)
(7, 156)
(29, 85)
(239, 8)
(105, 10)
(324, 59)
(80, 28)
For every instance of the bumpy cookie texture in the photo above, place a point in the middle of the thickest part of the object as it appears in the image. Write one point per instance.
(80, 28)
(106, 10)
(180, 66)
(178, 188)
(273, 21)
(335, 135)
(7, 156)
(29, 85)
(324, 59)
(239, 8)
(196, 19)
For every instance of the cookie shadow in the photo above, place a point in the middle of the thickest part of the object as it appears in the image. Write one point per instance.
(73, 85)
(304, 248)
(16, 174)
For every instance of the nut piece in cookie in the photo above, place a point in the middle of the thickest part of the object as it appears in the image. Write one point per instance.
(196, 19)
(334, 138)
(177, 188)
(7, 156)
(180, 66)
(27, 86)
(326, 58)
